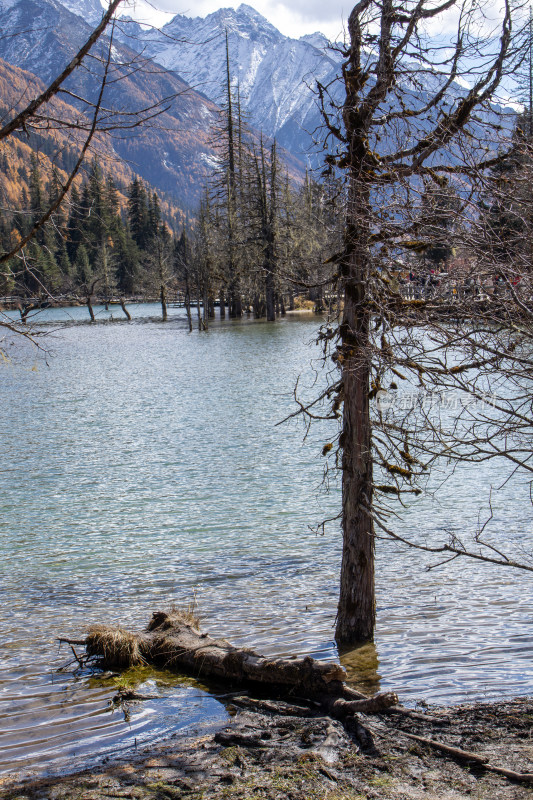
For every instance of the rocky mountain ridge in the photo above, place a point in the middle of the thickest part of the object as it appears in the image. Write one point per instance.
(274, 75)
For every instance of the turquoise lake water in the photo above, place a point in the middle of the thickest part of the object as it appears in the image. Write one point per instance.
(142, 466)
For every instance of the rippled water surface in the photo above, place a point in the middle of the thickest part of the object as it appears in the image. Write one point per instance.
(141, 466)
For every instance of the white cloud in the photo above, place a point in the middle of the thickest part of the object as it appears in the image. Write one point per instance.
(298, 17)
(292, 17)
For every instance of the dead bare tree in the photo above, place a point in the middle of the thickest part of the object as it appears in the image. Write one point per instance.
(420, 113)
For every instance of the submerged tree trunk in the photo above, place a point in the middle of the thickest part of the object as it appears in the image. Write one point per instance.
(269, 294)
(90, 307)
(202, 324)
(105, 276)
(258, 306)
(125, 310)
(267, 209)
(235, 301)
(163, 297)
(24, 310)
(319, 301)
(205, 312)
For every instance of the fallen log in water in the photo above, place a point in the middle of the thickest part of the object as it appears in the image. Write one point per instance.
(173, 640)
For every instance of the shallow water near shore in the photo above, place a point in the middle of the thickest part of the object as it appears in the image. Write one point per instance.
(142, 466)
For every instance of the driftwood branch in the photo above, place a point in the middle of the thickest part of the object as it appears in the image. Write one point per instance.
(472, 758)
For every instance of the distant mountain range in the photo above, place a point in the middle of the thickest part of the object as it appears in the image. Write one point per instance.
(275, 75)
(41, 36)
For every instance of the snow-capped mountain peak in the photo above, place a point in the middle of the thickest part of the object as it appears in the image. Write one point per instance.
(316, 39)
(273, 72)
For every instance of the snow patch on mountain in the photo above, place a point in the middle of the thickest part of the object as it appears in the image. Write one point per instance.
(90, 10)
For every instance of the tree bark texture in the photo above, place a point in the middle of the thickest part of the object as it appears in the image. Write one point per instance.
(356, 609)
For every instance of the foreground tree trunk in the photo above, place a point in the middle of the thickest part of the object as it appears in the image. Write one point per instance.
(390, 147)
(356, 609)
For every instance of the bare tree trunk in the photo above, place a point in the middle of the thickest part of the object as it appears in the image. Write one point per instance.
(357, 605)
(206, 309)
(235, 303)
(222, 305)
(201, 324)
(125, 310)
(234, 290)
(25, 310)
(269, 293)
(163, 297)
(188, 300)
(90, 307)
(106, 276)
(356, 609)
(162, 283)
(258, 306)
(319, 301)
(268, 213)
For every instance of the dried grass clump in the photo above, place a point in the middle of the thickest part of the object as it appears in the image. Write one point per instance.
(116, 647)
(302, 304)
(176, 616)
(187, 615)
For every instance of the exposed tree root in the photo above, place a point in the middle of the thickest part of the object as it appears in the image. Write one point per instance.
(472, 758)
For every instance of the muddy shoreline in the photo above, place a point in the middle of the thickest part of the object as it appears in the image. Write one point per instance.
(292, 751)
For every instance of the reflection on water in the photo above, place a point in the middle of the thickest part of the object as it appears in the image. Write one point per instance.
(143, 465)
(362, 667)
(54, 722)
